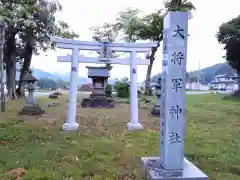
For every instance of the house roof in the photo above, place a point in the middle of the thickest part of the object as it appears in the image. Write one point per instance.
(86, 87)
(223, 82)
(225, 75)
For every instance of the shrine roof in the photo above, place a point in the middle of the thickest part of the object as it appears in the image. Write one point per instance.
(98, 71)
(29, 77)
(95, 67)
(98, 76)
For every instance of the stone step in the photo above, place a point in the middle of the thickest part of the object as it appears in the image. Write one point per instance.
(98, 102)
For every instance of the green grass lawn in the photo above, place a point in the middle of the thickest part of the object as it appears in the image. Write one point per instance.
(103, 149)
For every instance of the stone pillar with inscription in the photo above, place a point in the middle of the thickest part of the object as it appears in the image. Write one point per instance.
(171, 164)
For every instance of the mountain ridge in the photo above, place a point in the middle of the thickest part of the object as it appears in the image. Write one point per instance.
(206, 74)
(40, 74)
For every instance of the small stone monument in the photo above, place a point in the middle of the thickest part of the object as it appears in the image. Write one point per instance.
(172, 165)
(54, 98)
(98, 98)
(31, 107)
(156, 109)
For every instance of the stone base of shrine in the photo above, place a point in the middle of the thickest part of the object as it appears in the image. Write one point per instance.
(32, 109)
(98, 101)
(155, 110)
(153, 171)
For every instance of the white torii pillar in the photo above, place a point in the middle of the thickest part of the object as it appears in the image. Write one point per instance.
(71, 123)
(132, 48)
(134, 123)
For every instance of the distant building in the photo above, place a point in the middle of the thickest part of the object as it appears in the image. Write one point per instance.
(197, 86)
(86, 87)
(223, 82)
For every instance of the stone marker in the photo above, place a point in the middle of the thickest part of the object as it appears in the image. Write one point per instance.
(98, 98)
(171, 165)
(54, 98)
(31, 107)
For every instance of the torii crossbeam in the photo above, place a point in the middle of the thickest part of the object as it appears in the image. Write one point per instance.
(121, 61)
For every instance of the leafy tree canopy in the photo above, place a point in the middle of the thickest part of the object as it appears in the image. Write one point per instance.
(33, 21)
(179, 5)
(28, 26)
(229, 30)
(106, 32)
(229, 35)
(133, 27)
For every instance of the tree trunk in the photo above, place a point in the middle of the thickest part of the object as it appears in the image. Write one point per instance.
(11, 63)
(148, 90)
(28, 50)
(11, 83)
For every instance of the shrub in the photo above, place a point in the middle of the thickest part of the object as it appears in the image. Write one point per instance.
(122, 88)
(108, 90)
(235, 95)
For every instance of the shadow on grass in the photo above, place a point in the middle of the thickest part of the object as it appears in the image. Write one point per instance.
(235, 96)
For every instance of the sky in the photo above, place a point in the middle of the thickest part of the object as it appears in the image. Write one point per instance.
(203, 46)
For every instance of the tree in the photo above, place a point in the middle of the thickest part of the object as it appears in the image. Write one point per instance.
(179, 5)
(229, 35)
(122, 88)
(150, 27)
(40, 41)
(45, 25)
(127, 27)
(61, 84)
(45, 83)
(129, 23)
(9, 12)
(29, 22)
(107, 32)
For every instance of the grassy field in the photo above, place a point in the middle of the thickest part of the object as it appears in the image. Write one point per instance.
(103, 149)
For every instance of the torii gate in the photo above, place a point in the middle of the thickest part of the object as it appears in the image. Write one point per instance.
(105, 49)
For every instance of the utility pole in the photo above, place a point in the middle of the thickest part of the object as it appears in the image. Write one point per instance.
(198, 81)
(2, 41)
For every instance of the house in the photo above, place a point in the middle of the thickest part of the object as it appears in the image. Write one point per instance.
(86, 87)
(224, 82)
